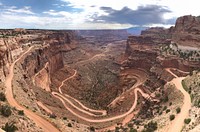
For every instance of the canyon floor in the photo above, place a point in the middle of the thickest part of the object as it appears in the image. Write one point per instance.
(81, 81)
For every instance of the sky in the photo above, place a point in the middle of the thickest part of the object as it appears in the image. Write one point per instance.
(93, 14)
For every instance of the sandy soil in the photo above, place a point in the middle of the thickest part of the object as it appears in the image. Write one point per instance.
(1, 130)
(45, 125)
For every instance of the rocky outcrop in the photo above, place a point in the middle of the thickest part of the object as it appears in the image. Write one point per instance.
(141, 52)
(54, 43)
(187, 31)
(49, 46)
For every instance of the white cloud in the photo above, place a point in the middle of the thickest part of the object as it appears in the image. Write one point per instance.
(25, 17)
(24, 10)
(178, 7)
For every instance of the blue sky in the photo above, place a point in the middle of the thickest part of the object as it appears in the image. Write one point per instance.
(93, 14)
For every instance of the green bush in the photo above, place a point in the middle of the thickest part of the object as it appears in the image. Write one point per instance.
(172, 117)
(165, 99)
(69, 125)
(10, 127)
(130, 125)
(2, 97)
(64, 118)
(150, 127)
(20, 112)
(187, 121)
(53, 116)
(164, 108)
(184, 85)
(178, 110)
(168, 110)
(6, 110)
(133, 130)
(92, 129)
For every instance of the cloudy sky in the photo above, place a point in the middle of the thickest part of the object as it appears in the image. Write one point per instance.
(93, 14)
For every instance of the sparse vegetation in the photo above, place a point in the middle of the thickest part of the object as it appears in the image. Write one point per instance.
(133, 130)
(130, 125)
(53, 116)
(150, 127)
(69, 125)
(6, 110)
(2, 97)
(168, 110)
(165, 99)
(164, 108)
(64, 118)
(10, 127)
(20, 112)
(185, 86)
(187, 121)
(92, 129)
(172, 117)
(178, 110)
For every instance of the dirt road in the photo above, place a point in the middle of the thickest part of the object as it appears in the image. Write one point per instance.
(44, 124)
(178, 122)
(136, 90)
(59, 88)
(103, 112)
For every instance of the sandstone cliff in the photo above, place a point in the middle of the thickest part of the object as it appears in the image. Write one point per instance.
(187, 31)
(49, 46)
(146, 49)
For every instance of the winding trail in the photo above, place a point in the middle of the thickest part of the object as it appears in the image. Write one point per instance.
(44, 124)
(127, 115)
(103, 112)
(39, 72)
(129, 112)
(178, 123)
(136, 90)
(59, 88)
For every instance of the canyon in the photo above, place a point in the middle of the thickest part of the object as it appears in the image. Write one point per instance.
(99, 80)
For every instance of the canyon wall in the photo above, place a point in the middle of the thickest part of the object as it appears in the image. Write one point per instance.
(103, 36)
(48, 47)
(187, 31)
(54, 44)
(145, 50)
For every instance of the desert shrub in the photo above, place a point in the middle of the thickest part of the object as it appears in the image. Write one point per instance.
(184, 85)
(172, 117)
(69, 125)
(2, 97)
(178, 110)
(10, 127)
(187, 121)
(92, 129)
(168, 110)
(6, 110)
(165, 99)
(53, 116)
(150, 127)
(133, 130)
(64, 118)
(164, 108)
(130, 125)
(20, 112)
